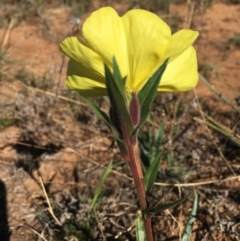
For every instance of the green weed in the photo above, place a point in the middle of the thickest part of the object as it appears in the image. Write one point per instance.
(235, 41)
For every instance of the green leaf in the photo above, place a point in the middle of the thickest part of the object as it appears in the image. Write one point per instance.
(103, 116)
(118, 77)
(149, 144)
(112, 145)
(151, 174)
(116, 93)
(149, 91)
(188, 228)
(140, 230)
(123, 148)
(100, 185)
(161, 207)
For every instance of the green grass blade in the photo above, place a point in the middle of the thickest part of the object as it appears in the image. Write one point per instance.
(100, 185)
(159, 134)
(188, 228)
(140, 231)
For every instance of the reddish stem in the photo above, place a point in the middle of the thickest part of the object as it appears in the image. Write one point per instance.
(133, 158)
(136, 169)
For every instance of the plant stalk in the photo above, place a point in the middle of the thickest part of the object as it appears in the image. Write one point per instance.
(136, 169)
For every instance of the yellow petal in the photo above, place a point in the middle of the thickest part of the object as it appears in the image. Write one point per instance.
(90, 65)
(104, 33)
(181, 73)
(78, 81)
(179, 42)
(147, 39)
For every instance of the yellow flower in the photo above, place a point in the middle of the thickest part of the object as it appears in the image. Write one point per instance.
(140, 42)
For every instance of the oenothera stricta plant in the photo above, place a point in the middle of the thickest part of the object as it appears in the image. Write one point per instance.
(130, 59)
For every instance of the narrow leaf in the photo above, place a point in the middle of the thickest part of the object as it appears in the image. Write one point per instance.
(188, 228)
(140, 231)
(161, 207)
(118, 77)
(100, 185)
(103, 116)
(149, 91)
(117, 99)
(123, 150)
(112, 145)
(151, 174)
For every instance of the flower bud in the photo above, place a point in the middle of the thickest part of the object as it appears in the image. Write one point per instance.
(134, 110)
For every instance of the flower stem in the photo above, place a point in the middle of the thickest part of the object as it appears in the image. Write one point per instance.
(136, 169)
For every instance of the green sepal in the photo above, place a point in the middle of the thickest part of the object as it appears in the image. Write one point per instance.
(161, 207)
(118, 77)
(116, 91)
(151, 173)
(148, 93)
(140, 230)
(115, 122)
(188, 228)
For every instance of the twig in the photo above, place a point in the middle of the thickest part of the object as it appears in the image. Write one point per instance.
(220, 128)
(99, 226)
(193, 184)
(11, 24)
(196, 183)
(218, 94)
(210, 134)
(59, 77)
(33, 230)
(48, 202)
(189, 16)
